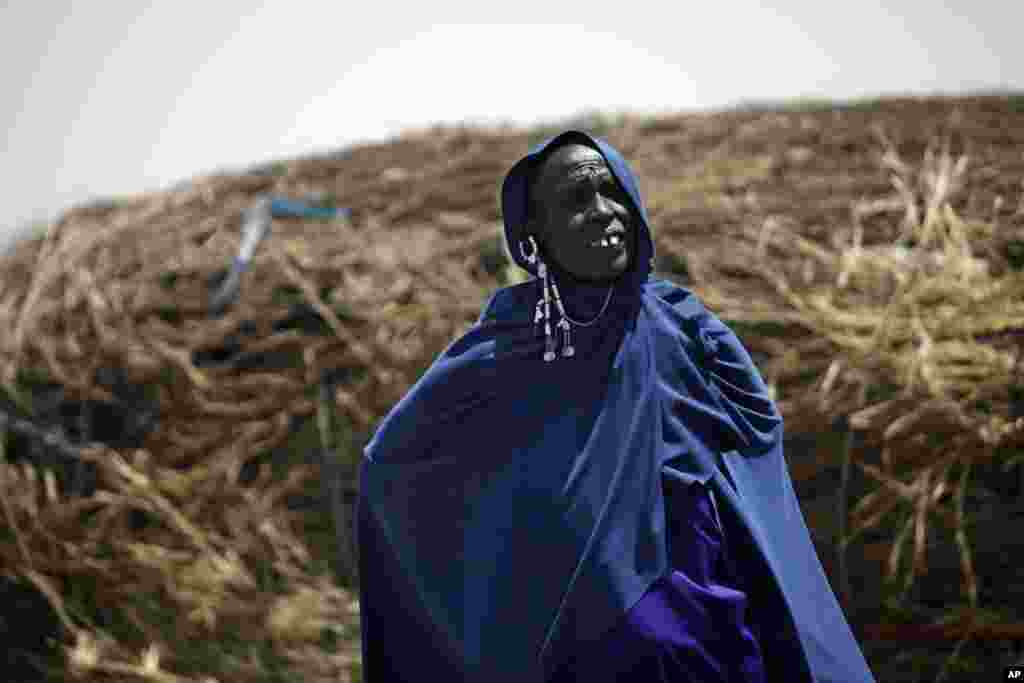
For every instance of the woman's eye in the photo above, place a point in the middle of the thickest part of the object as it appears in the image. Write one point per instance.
(612, 191)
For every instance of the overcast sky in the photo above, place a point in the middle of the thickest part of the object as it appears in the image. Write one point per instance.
(113, 98)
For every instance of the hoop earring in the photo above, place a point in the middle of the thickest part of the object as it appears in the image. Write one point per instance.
(530, 258)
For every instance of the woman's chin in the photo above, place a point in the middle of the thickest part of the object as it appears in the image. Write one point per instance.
(596, 274)
(605, 277)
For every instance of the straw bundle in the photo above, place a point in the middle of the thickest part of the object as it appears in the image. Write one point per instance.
(909, 330)
(177, 544)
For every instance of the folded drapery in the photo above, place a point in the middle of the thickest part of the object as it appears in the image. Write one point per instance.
(694, 625)
(511, 512)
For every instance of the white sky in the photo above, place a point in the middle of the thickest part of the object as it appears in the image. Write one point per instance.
(113, 98)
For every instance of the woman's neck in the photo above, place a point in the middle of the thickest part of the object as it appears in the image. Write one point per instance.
(583, 300)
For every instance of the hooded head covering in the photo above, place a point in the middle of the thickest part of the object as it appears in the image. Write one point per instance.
(515, 199)
(511, 508)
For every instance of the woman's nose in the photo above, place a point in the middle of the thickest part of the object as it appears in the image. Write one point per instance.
(601, 209)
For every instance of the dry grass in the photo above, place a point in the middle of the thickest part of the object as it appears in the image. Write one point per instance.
(874, 275)
(932, 316)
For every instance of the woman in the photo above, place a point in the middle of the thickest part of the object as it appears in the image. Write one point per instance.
(589, 484)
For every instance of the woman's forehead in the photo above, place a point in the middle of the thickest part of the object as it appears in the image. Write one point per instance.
(571, 160)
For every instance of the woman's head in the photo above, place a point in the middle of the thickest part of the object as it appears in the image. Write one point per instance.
(580, 216)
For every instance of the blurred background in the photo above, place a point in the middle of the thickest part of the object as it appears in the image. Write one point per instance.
(105, 102)
(180, 436)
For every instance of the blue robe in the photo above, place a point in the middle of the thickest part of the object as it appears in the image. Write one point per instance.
(692, 625)
(512, 515)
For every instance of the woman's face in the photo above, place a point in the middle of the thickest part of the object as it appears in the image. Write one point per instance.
(582, 216)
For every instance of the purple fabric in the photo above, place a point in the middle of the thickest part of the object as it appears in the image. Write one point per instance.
(692, 625)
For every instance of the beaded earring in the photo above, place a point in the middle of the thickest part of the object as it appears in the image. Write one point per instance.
(543, 310)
